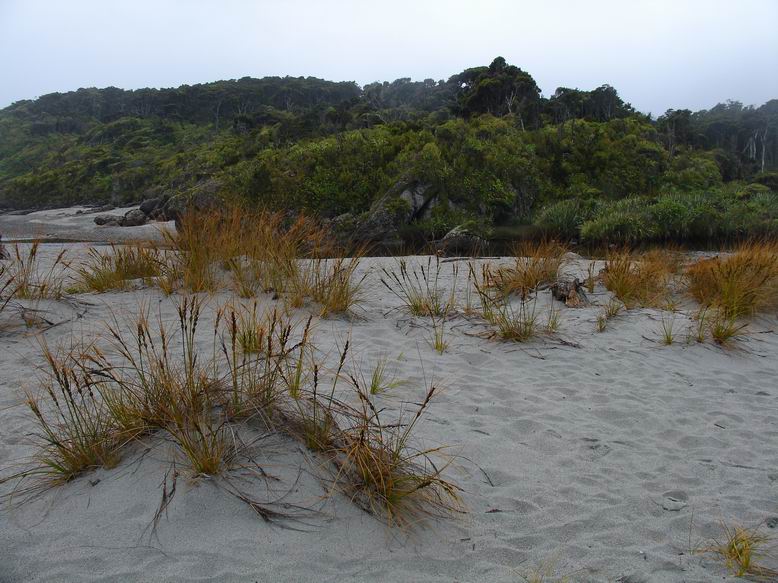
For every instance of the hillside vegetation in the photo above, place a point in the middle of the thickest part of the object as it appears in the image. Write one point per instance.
(483, 149)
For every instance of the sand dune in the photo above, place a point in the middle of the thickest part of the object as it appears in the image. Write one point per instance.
(595, 455)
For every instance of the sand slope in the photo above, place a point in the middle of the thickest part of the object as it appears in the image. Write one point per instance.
(597, 457)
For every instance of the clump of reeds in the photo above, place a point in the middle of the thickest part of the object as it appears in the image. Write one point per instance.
(637, 280)
(420, 289)
(739, 284)
(535, 263)
(113, 270)
(31, 280)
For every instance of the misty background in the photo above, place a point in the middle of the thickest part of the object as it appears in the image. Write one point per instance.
(657, 54)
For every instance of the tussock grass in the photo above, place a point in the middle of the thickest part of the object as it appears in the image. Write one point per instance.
(158, 379)
(536, 263)
(724, 328)
(331, 283)
(739, 284)
(31, 280)
(7, 287)
(740, 549)
(612, 309)
(103, 272)
(420, 289)
(553, 320)
(591, 277)
(439, 342)
(383, 472)
(667, 332)
(262, 252)
(76, 431)
(637, 280)
(513, 321)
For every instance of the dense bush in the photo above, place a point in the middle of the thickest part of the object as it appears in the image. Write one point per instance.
(486, 147)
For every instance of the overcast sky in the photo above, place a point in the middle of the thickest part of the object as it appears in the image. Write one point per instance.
(658, 54)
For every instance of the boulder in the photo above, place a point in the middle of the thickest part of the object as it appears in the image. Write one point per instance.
(461, 240)
(149, 205)
(399, 206)
(108, 220)
(134, 218)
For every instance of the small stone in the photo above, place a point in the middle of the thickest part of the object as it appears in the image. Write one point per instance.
(772, 522)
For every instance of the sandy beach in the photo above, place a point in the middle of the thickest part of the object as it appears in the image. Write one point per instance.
(596, 456)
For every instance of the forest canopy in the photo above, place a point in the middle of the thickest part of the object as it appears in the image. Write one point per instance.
(482, 148)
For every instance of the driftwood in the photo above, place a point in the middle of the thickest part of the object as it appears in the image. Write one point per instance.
(570, 292)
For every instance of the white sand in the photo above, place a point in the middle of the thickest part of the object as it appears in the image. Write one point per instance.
(67, 223)
(600, 461)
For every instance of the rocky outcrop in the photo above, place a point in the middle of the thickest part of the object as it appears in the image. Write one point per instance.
(401, 205)
(461, 240)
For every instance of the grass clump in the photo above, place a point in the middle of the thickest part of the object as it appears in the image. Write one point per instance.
(536, 263)
(385, 473)
(76, 431)
(724, 328)
(513, 321)
(739, 284)
(637, 280)
(331, 283)
(740, 550)
(103, 272)
(612, 309)
(420, 290)
(31, 280)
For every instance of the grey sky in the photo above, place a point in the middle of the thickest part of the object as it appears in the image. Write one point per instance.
(658, 54)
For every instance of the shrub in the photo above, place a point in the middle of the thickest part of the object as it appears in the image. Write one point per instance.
(564, 218)
(626, 221)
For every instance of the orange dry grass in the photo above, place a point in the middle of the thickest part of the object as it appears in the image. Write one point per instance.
(739, 284)
(637, 280)
(536, 263)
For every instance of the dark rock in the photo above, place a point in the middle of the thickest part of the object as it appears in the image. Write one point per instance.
(402, 204)
(150, 205)
(108, 220)
(461, 239)
(158, 214)
(134, 218)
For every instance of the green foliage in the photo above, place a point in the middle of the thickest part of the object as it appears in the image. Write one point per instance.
(485, 145)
